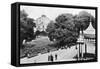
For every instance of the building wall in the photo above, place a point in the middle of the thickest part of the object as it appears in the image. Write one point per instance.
(42, 22)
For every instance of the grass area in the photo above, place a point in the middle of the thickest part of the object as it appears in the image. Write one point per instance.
(40, 45)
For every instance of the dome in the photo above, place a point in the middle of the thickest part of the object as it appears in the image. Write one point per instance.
(90, 30)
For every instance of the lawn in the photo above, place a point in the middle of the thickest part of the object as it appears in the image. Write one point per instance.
(40, 45)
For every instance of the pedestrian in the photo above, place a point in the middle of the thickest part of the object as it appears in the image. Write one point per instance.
(48, 57)
(55, 56)
(51, 58)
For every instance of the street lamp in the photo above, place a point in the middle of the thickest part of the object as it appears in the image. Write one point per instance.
(80, 42)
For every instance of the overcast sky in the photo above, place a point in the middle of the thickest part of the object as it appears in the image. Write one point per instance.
(51, 12)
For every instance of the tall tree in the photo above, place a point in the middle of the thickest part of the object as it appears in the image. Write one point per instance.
(50, 30)
(83, 20)
(51, 26)
(26, 27)
(63, 30)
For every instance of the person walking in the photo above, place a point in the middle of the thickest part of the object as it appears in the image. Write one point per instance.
(51, 58)
(48, 57)
(55, 56)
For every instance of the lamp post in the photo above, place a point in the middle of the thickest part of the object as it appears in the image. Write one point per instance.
(80, 42)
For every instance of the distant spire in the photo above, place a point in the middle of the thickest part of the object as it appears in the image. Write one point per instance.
(90, 29)
(43, 15)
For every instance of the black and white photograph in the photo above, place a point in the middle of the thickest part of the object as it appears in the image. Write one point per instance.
(55, 34)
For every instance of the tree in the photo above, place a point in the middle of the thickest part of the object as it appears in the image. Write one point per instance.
(66, 21)
(23, 14)
(93, 22)
(63, 30)
(50, 26)
(64, 17)
(50, 30)
(83, 20)
(26, 27)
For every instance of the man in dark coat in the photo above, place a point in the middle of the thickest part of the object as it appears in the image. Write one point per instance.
(55, 56)
(51, 58)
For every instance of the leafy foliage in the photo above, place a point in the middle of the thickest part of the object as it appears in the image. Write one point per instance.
(82, 20)
(26, 27)
(93, 22)
(50, 27)
(63, 32)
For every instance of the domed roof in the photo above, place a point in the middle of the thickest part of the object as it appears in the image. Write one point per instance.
(90, 30)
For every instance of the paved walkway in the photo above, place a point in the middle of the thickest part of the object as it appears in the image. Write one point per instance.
(62, 55)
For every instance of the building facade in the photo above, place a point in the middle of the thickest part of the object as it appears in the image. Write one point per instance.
(42, 22)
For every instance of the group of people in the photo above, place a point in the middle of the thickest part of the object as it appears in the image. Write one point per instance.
(52, 58)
